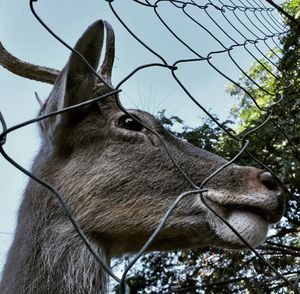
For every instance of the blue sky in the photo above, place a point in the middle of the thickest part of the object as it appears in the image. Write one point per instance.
(152, 89)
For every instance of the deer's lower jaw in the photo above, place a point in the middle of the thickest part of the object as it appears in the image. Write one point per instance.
(247, 226)
(249, 222)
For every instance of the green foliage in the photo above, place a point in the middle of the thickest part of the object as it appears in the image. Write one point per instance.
(258, 89)
(292, 7)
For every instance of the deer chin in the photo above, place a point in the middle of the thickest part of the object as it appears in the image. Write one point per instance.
(250, 226)
(249, 222)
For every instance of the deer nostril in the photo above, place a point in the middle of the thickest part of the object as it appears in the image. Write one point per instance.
(269, 181)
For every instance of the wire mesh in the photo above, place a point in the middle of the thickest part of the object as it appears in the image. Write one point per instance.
(263, 27)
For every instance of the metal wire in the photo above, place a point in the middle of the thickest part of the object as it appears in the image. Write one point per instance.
(268, 28)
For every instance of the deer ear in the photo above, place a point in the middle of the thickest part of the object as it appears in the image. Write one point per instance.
(76, 81)
(80, 79)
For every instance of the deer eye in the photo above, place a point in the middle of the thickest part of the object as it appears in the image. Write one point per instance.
(127, 122)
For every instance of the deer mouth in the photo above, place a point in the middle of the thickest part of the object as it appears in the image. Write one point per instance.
(271, 213)
(250, 221)
(267, 216)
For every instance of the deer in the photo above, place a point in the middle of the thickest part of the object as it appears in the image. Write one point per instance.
(118, 181)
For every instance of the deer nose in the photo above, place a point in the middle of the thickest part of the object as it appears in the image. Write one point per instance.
(269, 181)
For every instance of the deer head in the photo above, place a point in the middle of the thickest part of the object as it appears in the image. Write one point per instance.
(117, 178)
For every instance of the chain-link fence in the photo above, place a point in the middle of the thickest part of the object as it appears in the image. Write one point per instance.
(254, 23)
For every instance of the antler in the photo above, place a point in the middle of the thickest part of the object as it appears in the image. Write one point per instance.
(105, 70)
(27, 70)
(49, 75)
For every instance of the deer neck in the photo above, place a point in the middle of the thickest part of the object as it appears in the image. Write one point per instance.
(47, 256)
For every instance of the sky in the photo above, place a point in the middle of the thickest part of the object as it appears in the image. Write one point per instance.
(152, 89)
